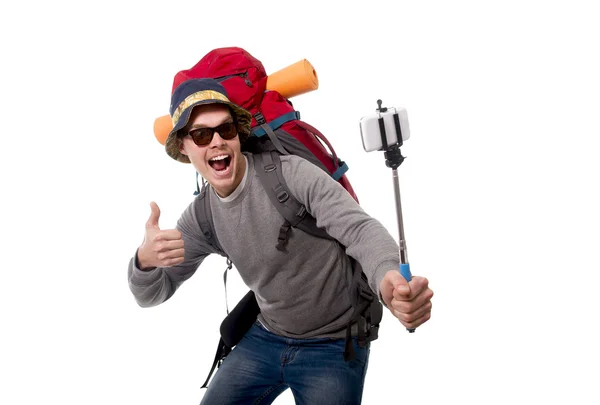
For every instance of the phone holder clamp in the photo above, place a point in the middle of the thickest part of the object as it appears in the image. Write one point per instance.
(393, 156)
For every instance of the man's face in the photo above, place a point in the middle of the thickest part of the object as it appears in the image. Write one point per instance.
(220, 162)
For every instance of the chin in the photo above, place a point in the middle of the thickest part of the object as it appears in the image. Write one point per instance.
(224, 183)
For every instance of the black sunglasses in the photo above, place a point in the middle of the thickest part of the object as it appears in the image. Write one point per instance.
(204, 136)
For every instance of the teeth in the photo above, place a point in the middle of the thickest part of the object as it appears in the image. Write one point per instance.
(220, 157)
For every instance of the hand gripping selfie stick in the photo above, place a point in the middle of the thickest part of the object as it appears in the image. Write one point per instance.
(390, 144)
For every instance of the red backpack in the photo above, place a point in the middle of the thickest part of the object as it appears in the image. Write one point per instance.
(244, 78)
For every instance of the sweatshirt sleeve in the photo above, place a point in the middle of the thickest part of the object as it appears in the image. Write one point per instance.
(334, 209)
(155, 286)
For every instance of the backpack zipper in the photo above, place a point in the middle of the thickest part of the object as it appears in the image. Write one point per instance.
(242, 75)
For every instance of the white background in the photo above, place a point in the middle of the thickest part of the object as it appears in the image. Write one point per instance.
(499, 190)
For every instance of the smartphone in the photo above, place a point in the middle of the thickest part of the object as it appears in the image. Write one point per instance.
(371, 133)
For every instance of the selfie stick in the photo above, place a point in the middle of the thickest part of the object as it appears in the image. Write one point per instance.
(393, 159)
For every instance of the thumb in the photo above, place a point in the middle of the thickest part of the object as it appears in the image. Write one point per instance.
(154, 216)
(395, 286)
(401, 286)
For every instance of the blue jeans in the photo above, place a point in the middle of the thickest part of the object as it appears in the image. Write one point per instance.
(263, 365)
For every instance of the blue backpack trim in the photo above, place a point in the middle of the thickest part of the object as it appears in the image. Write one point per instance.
(277, 122)
(340, 171)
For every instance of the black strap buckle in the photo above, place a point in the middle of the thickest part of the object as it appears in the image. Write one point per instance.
(260, 119)
(283, 236)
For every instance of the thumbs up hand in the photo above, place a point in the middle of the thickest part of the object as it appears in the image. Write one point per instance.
(161, 248)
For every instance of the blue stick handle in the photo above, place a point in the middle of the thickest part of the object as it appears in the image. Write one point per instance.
(405, 272)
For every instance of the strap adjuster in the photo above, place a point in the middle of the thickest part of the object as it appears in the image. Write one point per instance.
(302, 212)
(260, 119)
(282, 196)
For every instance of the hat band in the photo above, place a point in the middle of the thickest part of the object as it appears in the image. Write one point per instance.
(193, 99)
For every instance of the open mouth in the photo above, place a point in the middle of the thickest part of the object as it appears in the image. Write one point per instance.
(220, 163)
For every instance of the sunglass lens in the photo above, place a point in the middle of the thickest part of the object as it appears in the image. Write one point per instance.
(227, 130)
(202, 136)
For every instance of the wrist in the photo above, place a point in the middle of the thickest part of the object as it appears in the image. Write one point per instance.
(140, 263)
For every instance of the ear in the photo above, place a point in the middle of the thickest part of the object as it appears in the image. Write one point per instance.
(242, 133)
(180, 146)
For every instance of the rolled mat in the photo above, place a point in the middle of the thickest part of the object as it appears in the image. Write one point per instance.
(296, 79)
(293, 80)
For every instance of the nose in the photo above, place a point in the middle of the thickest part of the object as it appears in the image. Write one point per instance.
(216, 140)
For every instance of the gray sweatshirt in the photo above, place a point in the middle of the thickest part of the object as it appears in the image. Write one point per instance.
(303, 292)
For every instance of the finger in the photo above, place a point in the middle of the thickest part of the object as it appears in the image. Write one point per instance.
(417, 322)
(171, 262)
(154, 216)
(413, 304)
(169, 234)
(165, 245)
(411, 317)
(170, 254)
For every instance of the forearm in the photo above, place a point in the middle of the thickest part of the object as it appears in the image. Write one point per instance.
(364, 237)
(150, 287)
(369, 242)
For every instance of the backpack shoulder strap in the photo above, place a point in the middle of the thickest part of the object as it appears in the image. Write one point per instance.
(266, 129)
(268, 167)
(205, 219)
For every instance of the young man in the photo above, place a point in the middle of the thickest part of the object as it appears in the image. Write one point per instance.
(302, 291)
